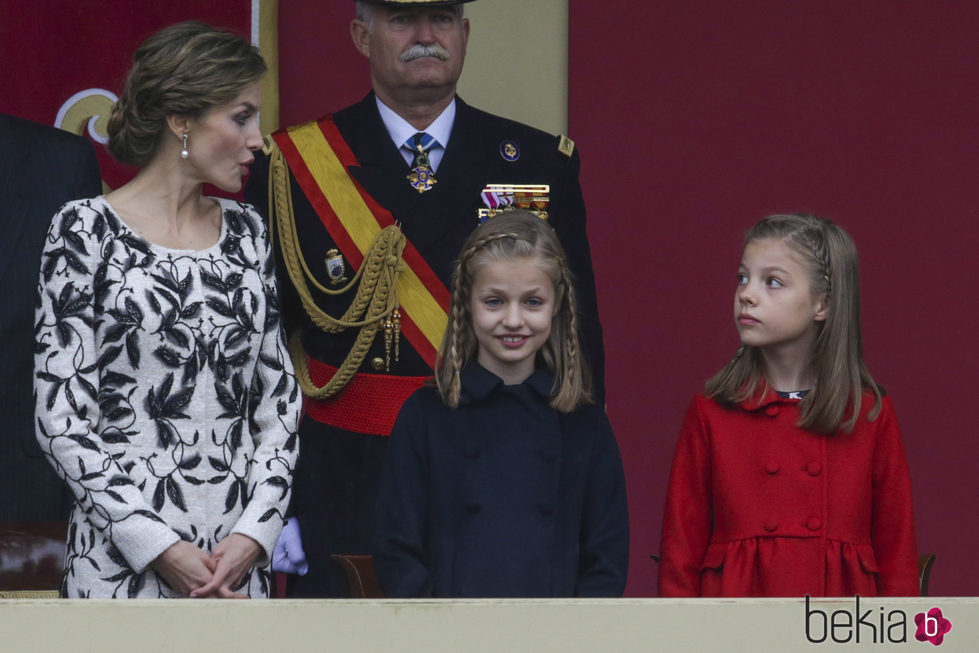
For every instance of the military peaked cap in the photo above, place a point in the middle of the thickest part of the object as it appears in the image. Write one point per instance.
(416, 3)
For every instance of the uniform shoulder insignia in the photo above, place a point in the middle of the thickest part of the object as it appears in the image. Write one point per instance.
(565, 145)
(268, 145)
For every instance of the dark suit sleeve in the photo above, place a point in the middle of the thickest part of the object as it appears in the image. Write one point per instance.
(604, 558)
(257, 186)
(89, 178)
(42, 168)
(402, 509)
(65, 168)
(567, 208)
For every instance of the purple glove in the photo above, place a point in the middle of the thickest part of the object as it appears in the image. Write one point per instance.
(288, 556)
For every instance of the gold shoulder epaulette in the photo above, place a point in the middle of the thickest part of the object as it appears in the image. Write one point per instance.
(268, 144)
(565, 145)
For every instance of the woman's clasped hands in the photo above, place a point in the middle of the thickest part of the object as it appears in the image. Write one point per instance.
(191, 572)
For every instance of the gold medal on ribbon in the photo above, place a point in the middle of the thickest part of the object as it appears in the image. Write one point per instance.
(421, 177)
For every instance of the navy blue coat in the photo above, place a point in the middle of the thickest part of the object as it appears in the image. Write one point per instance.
(501, 497)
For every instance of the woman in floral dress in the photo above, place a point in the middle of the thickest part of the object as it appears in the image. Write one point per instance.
(164, 393)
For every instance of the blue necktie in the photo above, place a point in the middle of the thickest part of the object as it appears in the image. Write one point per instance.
(419, 145)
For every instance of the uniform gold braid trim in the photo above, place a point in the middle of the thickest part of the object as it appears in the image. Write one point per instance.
(376, 299)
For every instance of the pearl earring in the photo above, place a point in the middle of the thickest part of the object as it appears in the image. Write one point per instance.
(184, 153)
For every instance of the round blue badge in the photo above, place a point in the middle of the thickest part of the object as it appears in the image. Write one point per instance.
(509, 151)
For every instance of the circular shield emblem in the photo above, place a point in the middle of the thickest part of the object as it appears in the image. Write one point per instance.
(509, 151)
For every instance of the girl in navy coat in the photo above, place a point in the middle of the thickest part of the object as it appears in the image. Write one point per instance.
(789, 476)
(505, 479)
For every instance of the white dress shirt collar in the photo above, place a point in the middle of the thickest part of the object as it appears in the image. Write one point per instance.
(400, 130)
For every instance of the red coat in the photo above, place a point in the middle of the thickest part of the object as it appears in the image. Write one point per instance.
(760, 507)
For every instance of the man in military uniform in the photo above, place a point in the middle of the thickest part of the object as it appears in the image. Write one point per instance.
(409, 162)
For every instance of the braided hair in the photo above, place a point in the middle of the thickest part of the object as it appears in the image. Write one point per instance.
(837, 365)
(515, 234)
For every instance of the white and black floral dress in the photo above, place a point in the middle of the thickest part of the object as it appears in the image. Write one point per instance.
(164, 395)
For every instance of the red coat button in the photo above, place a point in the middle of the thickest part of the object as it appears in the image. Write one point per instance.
(814, 468)
(771, 411)
(814, 523)
(772, 467)
(771, 525)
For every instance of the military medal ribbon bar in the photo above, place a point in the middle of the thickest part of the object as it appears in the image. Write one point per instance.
(506, 197)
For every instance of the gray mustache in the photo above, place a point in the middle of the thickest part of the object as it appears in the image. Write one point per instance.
(418, 51)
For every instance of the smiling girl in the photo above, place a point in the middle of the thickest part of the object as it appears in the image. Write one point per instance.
(505, 480)
(789, 476)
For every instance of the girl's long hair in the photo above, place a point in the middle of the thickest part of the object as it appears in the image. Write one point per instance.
(515, 234)
(836, 363)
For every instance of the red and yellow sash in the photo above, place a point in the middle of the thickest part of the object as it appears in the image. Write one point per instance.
(319, 159)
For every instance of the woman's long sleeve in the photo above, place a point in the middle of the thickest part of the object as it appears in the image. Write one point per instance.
(275, 405)
(69, 391)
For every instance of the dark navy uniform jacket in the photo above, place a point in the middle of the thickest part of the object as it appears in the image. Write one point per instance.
(336, 477)
(41, 168)
(501, 497)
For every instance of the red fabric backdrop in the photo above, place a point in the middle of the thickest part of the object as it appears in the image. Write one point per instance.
(860, 110)
(319, 69)
(53, 49)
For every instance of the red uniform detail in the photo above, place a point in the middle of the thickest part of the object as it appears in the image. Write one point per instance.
(369, 404)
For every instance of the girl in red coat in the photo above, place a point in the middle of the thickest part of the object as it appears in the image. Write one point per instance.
(789, 476)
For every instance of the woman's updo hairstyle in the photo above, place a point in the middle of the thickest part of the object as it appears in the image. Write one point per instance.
(183, 70)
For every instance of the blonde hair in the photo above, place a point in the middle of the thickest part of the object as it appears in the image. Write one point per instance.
(183, 70)
(515, 234)
(836, 363)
